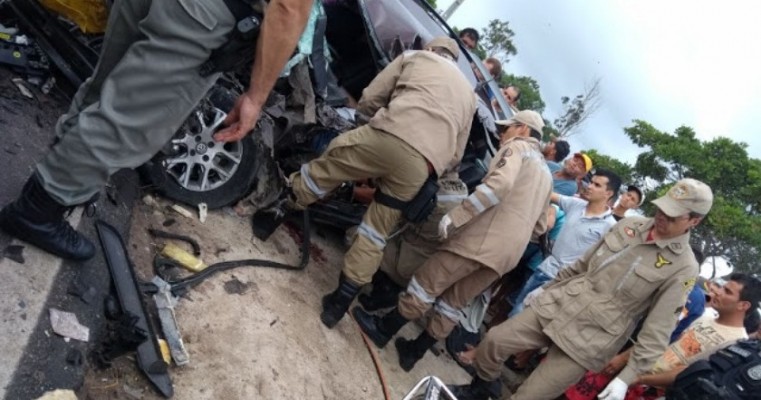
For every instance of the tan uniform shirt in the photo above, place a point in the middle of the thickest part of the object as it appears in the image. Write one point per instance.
(497, 220)
(594, 304)
(425, 100)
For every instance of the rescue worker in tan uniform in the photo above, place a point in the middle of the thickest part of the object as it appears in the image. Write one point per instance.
(642, 268)
(405, 253)
(488, 233)
(422, 107)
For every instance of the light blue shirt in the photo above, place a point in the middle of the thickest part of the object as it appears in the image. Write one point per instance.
(566, 187)
(578, 234)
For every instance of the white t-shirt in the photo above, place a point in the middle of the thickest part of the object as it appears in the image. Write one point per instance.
(709, 311)
(701, 339)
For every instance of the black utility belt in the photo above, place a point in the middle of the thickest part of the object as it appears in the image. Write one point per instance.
(420, 207)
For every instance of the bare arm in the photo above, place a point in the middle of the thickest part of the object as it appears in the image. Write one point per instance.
(552, 215)
(663, 379)
(284, 21)
(617, 363)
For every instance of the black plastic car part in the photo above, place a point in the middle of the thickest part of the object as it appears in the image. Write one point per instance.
(123, 275)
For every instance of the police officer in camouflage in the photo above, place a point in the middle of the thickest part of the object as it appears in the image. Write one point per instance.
(145, 85)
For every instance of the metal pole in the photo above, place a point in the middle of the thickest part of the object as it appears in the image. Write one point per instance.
(451, 9)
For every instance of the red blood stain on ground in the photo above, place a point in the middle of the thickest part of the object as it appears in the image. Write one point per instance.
(295, 232)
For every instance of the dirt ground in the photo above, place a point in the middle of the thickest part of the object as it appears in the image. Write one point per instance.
(255, 333)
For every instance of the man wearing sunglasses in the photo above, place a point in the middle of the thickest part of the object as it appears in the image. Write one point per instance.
(642, 268)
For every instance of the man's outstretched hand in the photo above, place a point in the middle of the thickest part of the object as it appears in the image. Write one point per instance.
(240, 121)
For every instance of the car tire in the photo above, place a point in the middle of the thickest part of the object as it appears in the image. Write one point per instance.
(233, 188)
(236, 187)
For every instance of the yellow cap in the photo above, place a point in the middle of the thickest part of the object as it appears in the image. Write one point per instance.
(587, 161)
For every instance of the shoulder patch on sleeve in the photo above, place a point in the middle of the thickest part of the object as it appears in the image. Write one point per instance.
(502, 160)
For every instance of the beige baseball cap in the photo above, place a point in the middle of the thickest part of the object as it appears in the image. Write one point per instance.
(526, 117)
(687, 195)
(447, 43)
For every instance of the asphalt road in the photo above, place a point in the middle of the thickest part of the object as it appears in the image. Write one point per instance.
(26, 132)
(33, 359)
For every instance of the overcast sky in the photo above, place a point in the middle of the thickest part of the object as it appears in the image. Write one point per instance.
(671, 63)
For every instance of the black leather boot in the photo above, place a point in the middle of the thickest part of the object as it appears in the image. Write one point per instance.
(478, 389)
(37, 218)
(335, 304)
(385, 293)
(379, 329)
(411, 351)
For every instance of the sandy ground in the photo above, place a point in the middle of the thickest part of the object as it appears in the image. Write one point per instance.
(255, 333)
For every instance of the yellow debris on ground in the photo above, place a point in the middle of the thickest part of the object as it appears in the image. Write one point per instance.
(58, 394)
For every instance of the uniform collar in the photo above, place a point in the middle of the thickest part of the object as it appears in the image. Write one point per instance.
(677, 245)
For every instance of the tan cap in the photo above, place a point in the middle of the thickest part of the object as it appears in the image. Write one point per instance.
(687, 195)
(527, 117)
(446, 43)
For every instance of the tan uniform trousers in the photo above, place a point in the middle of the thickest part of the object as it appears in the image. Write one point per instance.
(450, 281)
(408, 251)
(358, 154)
(524, 332)
(402, 258)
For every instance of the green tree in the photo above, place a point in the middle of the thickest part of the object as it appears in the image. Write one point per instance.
(497, 41)
(732, 229)
(432, 3)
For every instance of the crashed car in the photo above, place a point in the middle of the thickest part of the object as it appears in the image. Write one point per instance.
(344, 47)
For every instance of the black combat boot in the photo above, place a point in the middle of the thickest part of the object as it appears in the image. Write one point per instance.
(385, 293)
(379, 329)
(267, 219)
(335, 304)
(478, 389)
(37, 218)
(411, 351)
